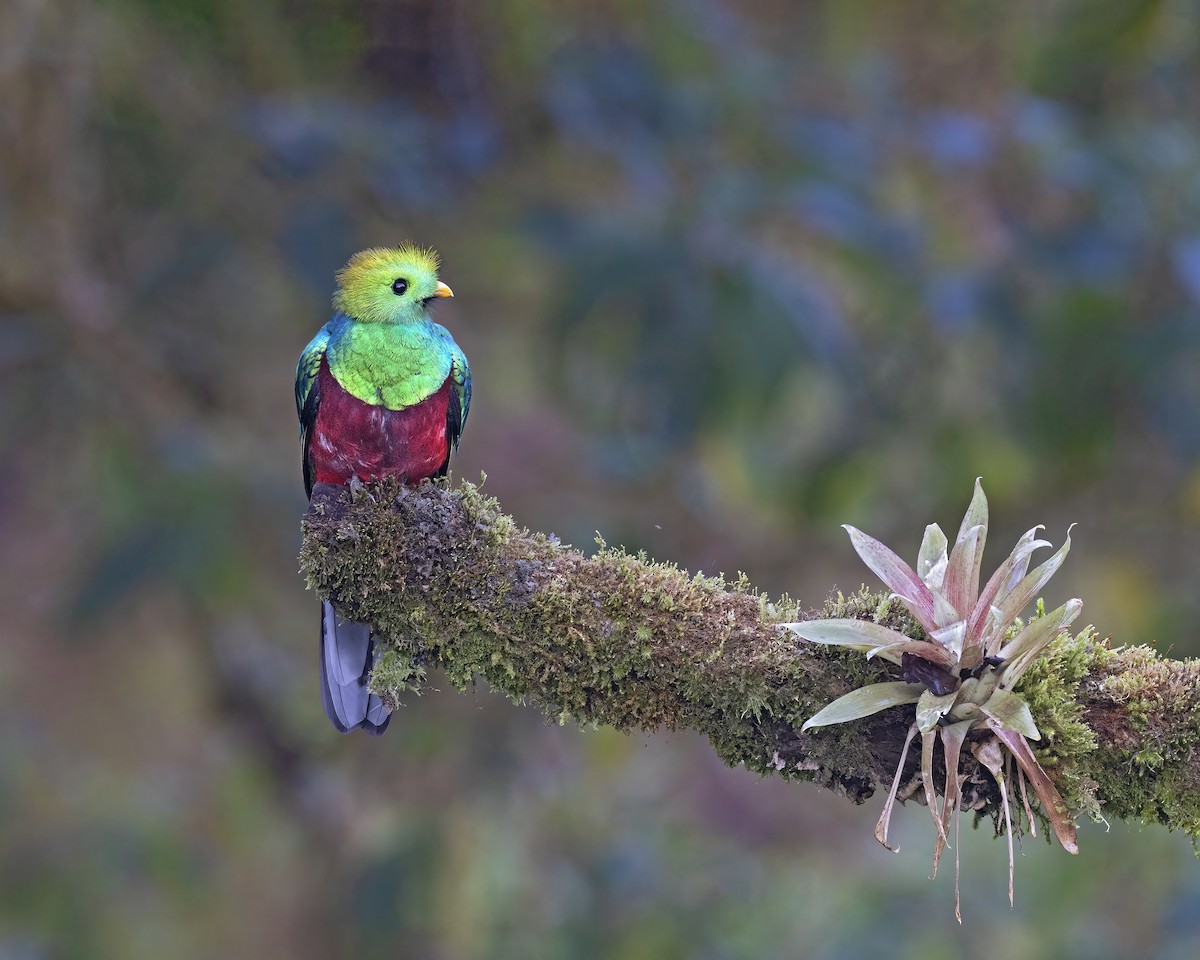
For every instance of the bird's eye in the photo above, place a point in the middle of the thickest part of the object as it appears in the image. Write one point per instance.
(399, 286)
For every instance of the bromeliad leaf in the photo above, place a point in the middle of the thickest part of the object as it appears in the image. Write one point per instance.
(943, 612)
(931, 708)
(897, 574)
(962, 575)
(984, 618)
(1052, 803)
(871, 638)
(953, 737)
(951, 637)
(885, 818)
(932, 652)
(976, 516)
(931, 561)
(1012, 712)
(1028, 588)
(1027, 646)
(864, 702)
(989, 753)
(962, 572)
(928, 740)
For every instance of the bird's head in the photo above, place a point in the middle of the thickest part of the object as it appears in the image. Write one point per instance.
(389, 285)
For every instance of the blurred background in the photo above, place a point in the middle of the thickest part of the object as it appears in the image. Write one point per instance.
(729, 275)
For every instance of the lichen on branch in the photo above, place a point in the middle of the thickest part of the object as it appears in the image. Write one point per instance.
(449, 580)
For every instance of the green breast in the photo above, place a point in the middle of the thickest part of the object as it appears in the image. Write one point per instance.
(387, 364)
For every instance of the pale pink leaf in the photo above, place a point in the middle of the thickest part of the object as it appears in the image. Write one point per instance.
(885, 818)
(1009, 834)
(944, 612)
(928, 739)
(980, 617)
(932, 652)
(961, 584)
(1030, 586)
(1052, 803)
(952, 741)
(896, 574)
(1025, 802)
(969, 550)
(951, 637)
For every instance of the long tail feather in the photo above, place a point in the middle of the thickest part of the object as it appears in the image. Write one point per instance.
(347, 656)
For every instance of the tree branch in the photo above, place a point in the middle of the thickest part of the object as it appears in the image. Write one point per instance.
(620, 640)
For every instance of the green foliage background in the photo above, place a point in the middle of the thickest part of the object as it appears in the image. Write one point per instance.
(728, 275)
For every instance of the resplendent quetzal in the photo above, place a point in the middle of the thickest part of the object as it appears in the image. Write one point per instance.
(381, 391)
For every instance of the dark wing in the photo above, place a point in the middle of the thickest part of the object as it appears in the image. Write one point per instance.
(460, 400)
(460, 396)
(308, 396)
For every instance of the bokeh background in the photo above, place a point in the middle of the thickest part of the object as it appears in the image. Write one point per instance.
(729, 275)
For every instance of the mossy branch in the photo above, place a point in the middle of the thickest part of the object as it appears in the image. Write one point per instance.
(614, 639)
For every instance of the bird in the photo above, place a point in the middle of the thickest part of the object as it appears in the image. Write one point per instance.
(381, 391)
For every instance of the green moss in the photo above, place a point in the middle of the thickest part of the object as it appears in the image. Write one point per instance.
(1146, 760)
(395, 674)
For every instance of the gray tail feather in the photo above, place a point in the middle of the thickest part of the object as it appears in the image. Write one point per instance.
(347, 656)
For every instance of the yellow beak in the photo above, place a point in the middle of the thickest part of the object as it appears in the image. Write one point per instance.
(443, 290)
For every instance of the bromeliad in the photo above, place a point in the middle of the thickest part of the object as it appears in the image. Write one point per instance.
(962, 678)
(381, 391)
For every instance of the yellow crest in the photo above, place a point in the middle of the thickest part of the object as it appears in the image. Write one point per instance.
(388, 284)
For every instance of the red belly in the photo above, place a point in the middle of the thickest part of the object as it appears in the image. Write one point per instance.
(355, 439)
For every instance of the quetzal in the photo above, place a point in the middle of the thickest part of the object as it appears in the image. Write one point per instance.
(381, 391)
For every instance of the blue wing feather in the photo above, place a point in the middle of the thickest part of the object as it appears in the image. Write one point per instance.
(460, 399)
(306, 371)
(308, 397)
(460, 372)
